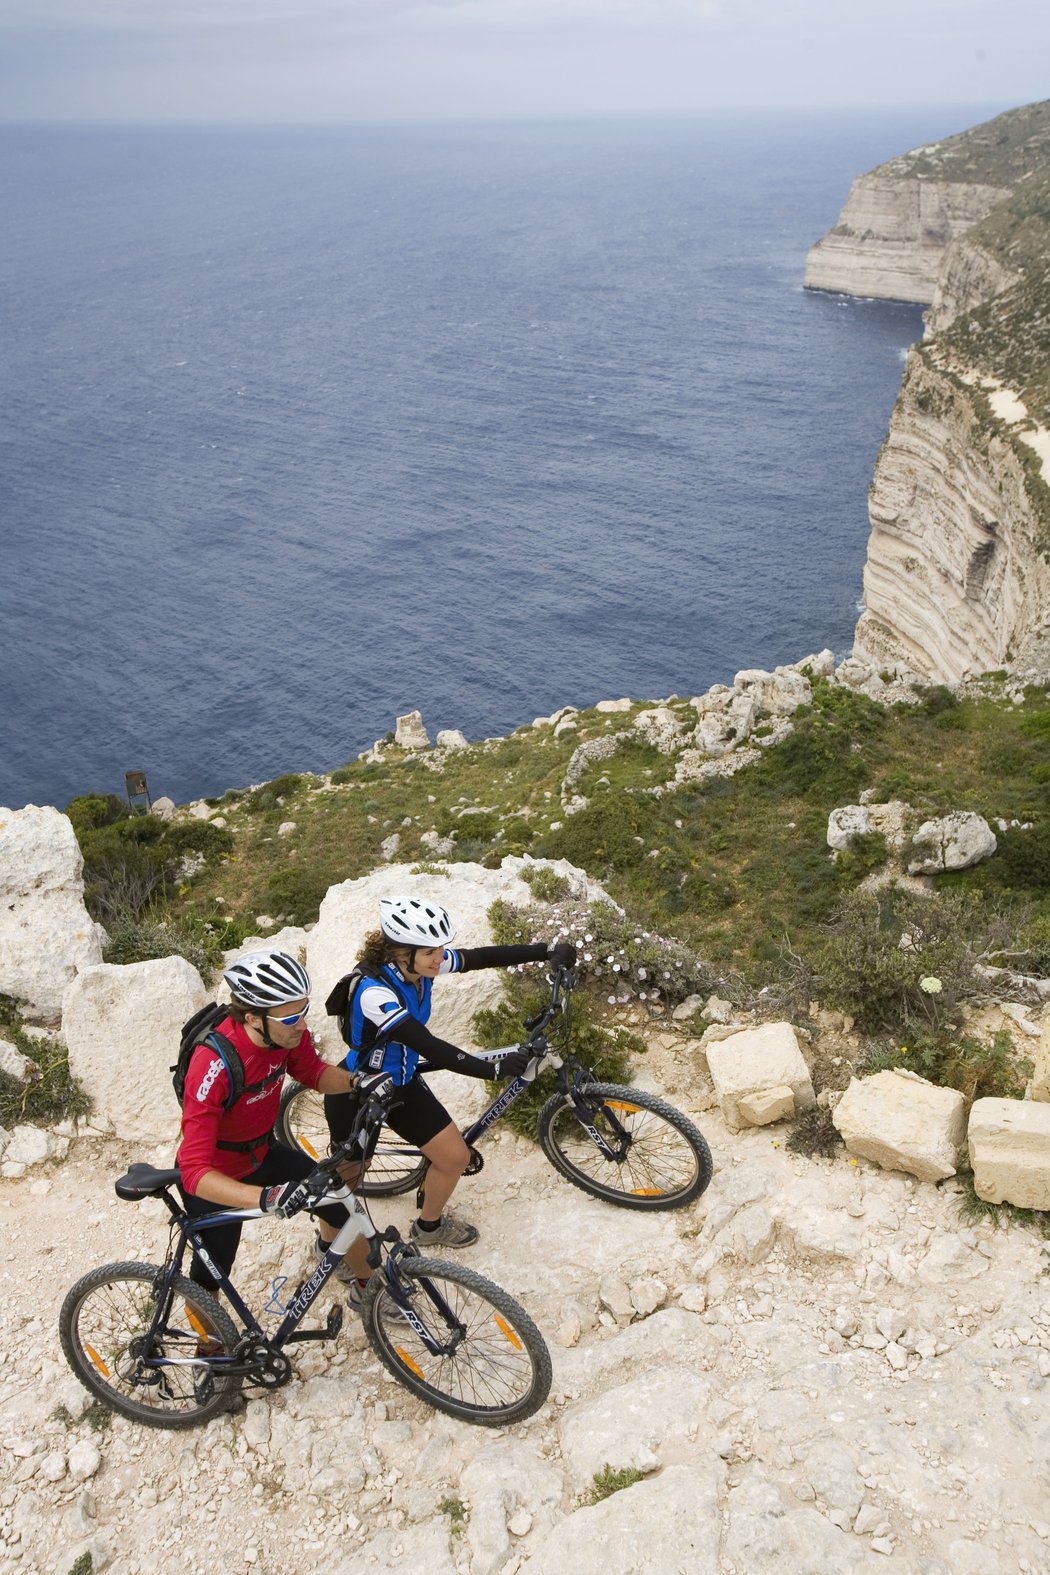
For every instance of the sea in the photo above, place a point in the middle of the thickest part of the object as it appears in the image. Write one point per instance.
(306, 427)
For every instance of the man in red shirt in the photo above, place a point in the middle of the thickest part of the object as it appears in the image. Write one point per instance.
(226, 1157)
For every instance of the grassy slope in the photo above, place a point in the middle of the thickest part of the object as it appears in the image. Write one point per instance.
(735, 868)
(996, 153)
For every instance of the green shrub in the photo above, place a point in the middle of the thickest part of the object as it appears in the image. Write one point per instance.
(1022, 859)
(977, 1069)
(134, 940)
(92, 810)
(938, 701)
(605, 1052)
(546, 884)
(894, 958)
(132, 864)
(297, 892)
(608, 1481)
(615, 957)
(815, 1132)
(264, 798)
(53, 1092)
(866, 852)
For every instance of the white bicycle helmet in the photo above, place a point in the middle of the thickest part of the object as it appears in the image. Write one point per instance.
(413, 923)
(267, 979)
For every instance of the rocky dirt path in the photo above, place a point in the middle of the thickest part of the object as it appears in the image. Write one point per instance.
(816, 1368)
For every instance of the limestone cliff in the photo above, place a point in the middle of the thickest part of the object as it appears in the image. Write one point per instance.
(957, 579)
(900, 218)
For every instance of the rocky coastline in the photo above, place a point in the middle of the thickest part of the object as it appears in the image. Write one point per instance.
(824, 1363)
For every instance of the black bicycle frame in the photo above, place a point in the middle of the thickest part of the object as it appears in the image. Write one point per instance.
(190, 1232)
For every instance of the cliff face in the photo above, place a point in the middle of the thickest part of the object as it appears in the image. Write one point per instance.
(970, 275)
(955, 581)
(891, 237)
(900, 218)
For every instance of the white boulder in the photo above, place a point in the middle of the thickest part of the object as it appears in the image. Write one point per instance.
(774, 693)
(902, 1122)
(661, 728)
(851, 820)
(755, 1061)
(351, 910)
(955, 842)
(163, 808)
(410, 732)
(1009, 1146)
(122, 1026)
(46, 933)
(640, 1425)
(663, 1523)
(452, 738)
(15, 1064)
(614, 705)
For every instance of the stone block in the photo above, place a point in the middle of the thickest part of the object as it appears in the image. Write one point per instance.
(754, 1061)
(954, 841)
(847, 822)
(1009, 1144)
(768, 1105)
(410, 733)
(122, 1025)
(902, 1122)
(46, 933)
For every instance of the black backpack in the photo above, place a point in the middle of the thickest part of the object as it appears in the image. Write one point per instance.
(200, 1030)
(340, 1003)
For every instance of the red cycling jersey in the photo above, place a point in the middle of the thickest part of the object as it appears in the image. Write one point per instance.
(204, 1121)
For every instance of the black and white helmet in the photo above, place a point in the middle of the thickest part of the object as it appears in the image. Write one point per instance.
(411, 922)
(267, 979)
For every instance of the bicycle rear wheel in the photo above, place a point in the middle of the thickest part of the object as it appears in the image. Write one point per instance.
(663, 1159)
(394, 1168)
(104, 1324)
(498, 1369)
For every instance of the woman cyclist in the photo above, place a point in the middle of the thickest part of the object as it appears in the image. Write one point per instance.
(226, 1157)
(385, 1025)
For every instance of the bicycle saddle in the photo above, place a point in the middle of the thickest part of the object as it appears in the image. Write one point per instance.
(144, 1181)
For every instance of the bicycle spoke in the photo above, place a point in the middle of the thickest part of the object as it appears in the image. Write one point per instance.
(498, 1368)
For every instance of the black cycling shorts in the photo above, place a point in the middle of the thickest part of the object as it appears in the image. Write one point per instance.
(417, 1117)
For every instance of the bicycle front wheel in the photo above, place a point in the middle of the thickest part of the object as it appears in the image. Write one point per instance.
(104, 1326)
(395, 1167)
(494, 1366)
(661, 1160)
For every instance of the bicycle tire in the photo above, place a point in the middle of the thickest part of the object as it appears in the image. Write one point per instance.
(667, 1165)
(107, 1312)
(501, 1371)
(395, 1167)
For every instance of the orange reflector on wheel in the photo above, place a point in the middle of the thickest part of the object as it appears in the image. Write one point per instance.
(308, 1146)
(199, 1328)
(647, 1192)
(618, 1104)
(97, 1360)
(507, 1332)
(412, 1366)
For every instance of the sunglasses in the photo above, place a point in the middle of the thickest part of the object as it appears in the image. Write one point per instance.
(289, 1022)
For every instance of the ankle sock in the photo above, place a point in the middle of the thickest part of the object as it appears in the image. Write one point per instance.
(428, 1225)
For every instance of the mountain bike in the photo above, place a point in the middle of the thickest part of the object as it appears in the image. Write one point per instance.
(158, 1348)
(620, 1144)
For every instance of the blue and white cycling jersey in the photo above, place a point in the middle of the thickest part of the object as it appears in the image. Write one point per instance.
(377, 1009)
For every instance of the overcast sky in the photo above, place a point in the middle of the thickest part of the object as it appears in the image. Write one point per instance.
(281, 60)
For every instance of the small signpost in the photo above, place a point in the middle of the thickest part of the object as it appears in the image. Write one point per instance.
(138, 792)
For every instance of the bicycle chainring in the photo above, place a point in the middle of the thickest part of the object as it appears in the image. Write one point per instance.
(269, 1367)
(476, 1162)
